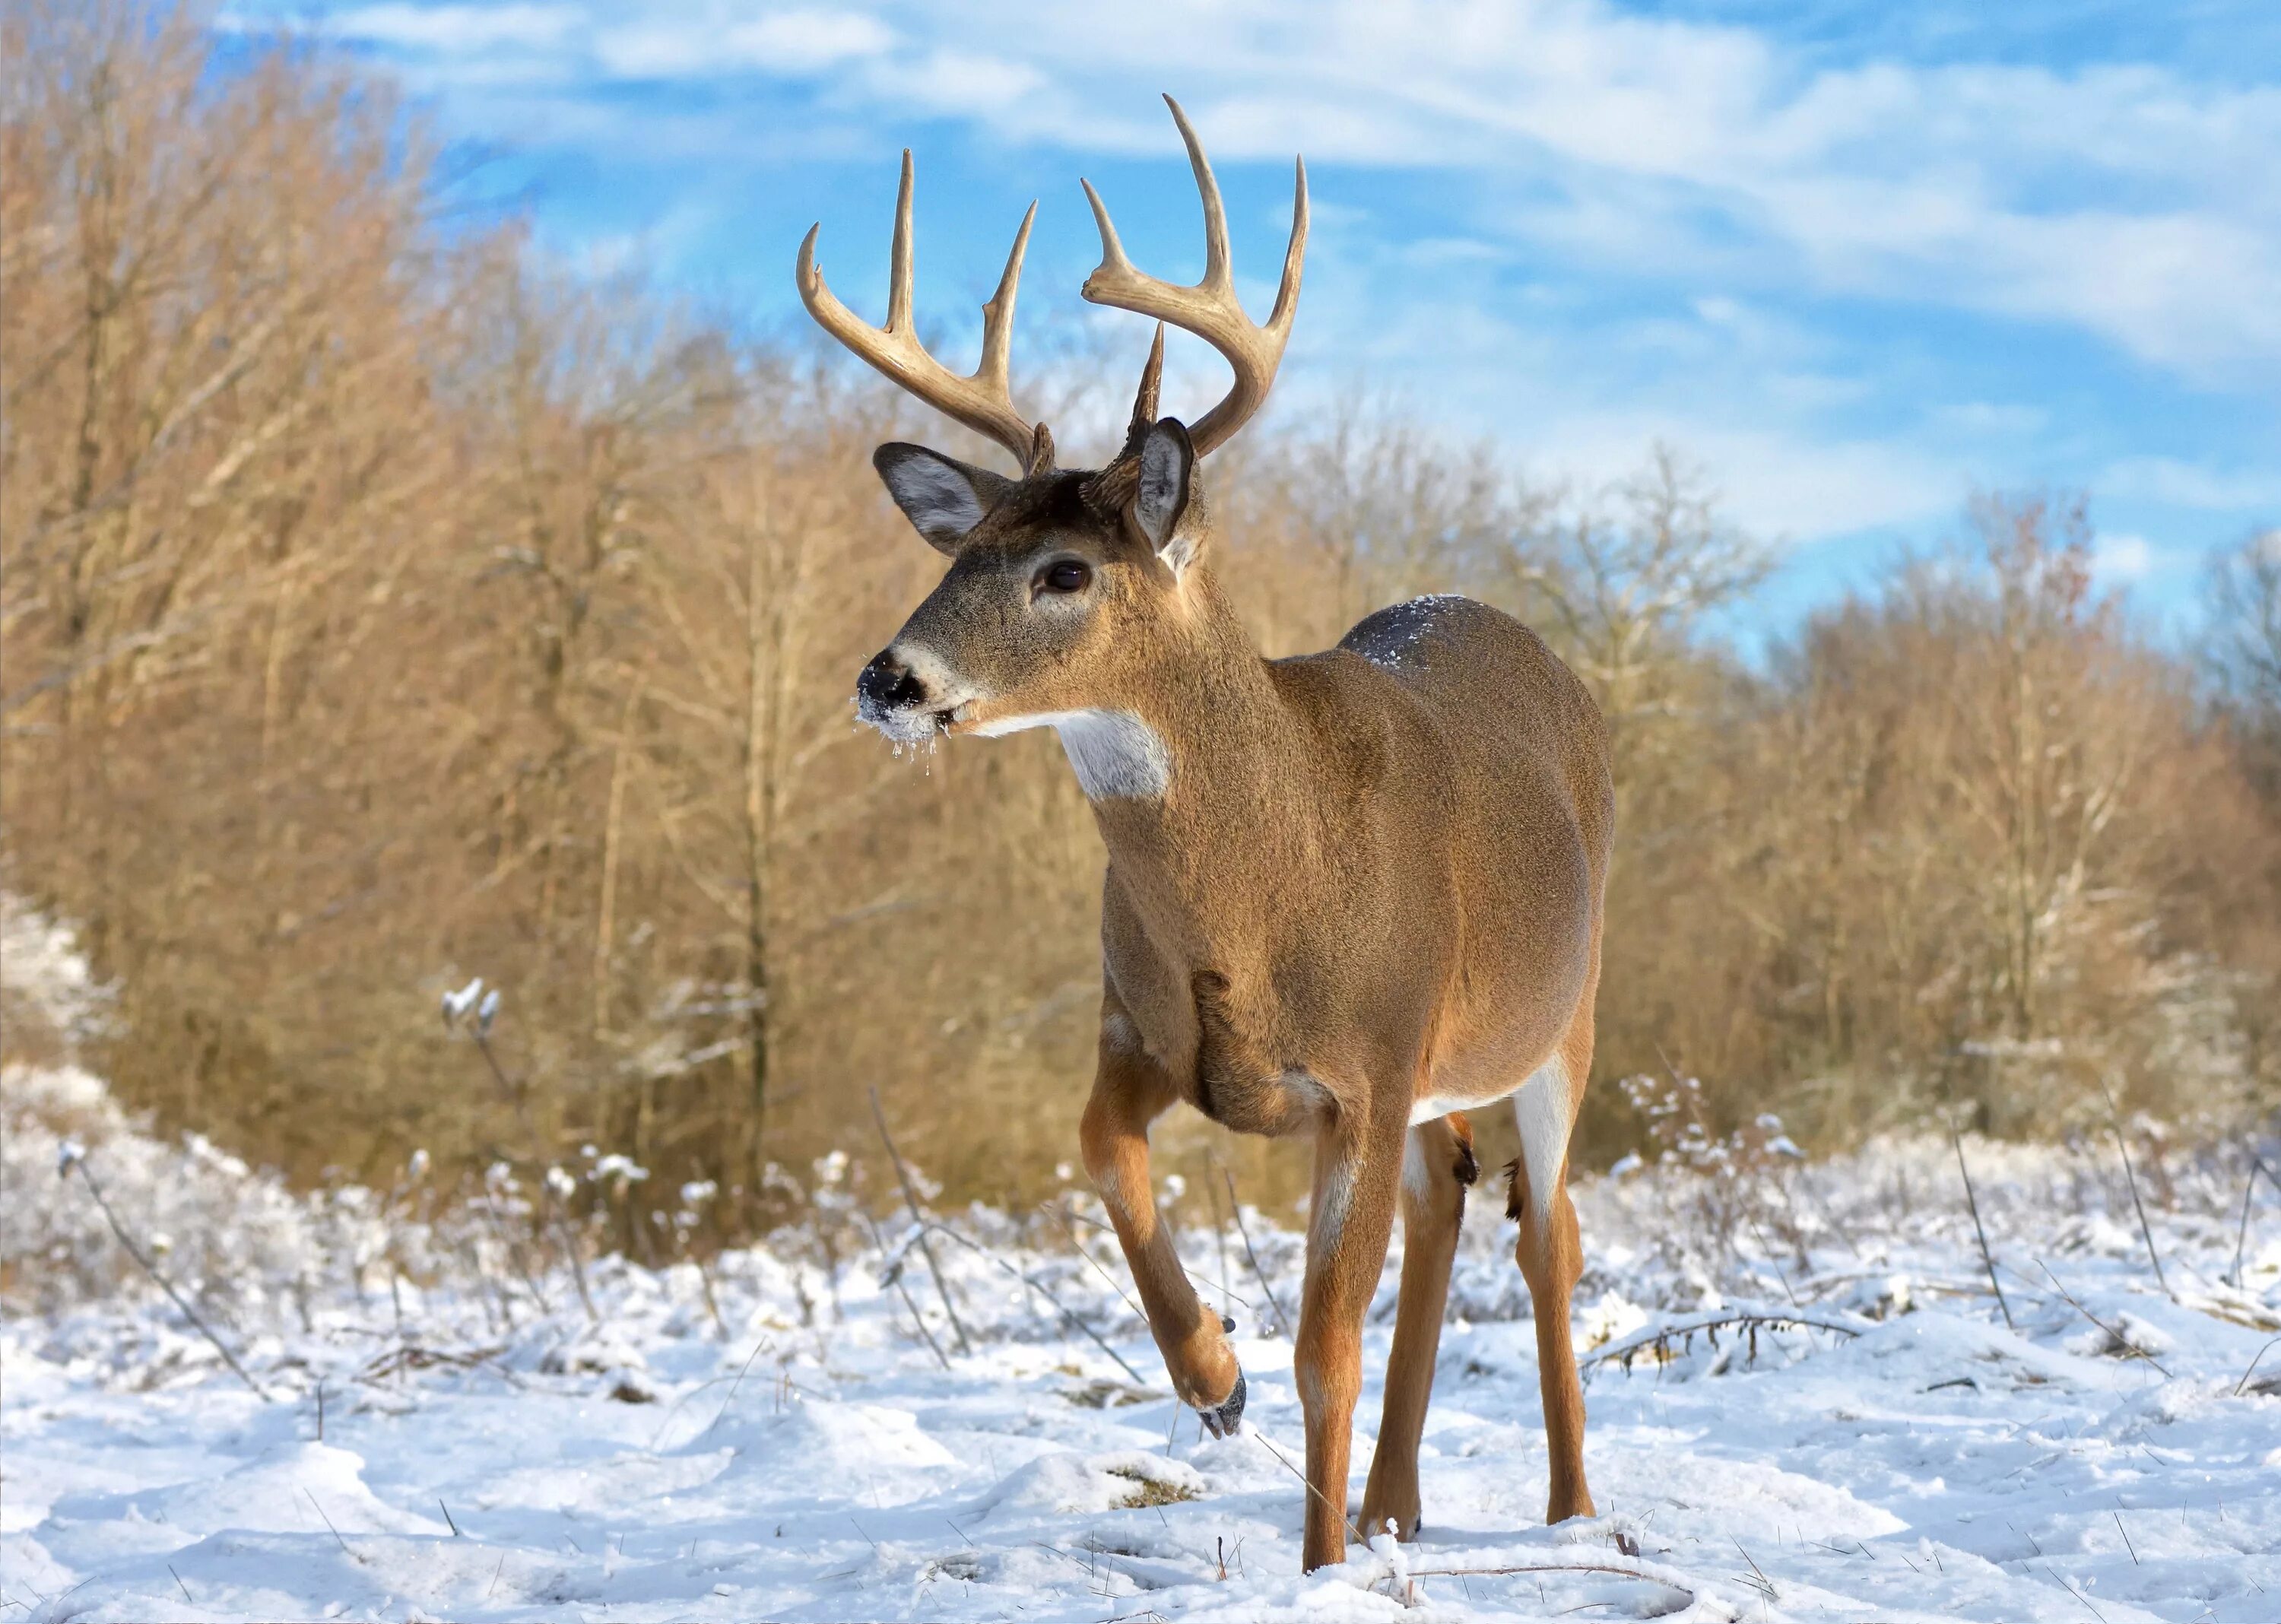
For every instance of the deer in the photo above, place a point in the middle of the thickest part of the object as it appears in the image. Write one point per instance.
(1349, 895)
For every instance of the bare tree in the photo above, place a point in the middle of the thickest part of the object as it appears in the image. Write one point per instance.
(379, 604)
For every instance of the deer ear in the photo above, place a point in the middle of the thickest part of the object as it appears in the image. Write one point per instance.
(942, 497)
(1164, 505)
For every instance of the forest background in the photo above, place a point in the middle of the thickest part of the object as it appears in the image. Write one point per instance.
(383, 604)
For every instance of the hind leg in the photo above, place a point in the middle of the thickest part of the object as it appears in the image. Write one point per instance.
(1552, 1255)
(1437, 1164)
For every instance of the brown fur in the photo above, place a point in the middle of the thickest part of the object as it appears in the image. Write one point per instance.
(1338, 885)
(1375, 875)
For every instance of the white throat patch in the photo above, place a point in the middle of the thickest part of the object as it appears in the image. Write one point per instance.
(1117, 756)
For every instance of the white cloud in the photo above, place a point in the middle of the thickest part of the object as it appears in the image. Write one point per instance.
(971, 84)
(2119, 558)
(2119, 199)
(1982, 420)
(1573, 397)
(805, 42)
(2193, 484)
(1687, 203)
(661, 44)
(1784, 485)
(455, 28)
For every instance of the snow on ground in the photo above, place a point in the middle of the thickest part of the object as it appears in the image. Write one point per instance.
(444, 1429)
(801, 1453)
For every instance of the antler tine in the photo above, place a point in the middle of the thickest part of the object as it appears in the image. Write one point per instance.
(1210, 309)
(1217, 276)
(980, 400)
(998, 314)
(899, 256)
(1295, 259)
(1144, 400)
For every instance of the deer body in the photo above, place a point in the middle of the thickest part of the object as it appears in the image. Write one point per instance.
(1349, 894)
(1369, 896)
(1360, 870)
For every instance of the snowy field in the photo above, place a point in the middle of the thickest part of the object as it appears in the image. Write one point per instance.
(773, 1437)
(445, 1430)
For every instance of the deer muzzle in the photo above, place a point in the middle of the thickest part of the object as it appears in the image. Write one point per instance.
(904, 701)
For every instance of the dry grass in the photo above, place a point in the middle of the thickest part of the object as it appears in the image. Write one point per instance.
(1151, 1491)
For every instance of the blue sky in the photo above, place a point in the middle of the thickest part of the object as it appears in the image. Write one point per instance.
(1856, 260)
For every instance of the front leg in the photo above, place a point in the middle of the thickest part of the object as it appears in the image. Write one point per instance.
(1357, 1170)
(1129, 1092)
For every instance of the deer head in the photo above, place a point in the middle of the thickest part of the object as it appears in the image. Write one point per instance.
(1067, 589)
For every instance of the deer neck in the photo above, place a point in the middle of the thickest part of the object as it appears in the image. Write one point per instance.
(1224, 769)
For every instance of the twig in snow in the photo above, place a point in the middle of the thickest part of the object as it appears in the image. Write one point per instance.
(919, 1320)
(1748, 1320)
(712, 1302)
(449, 1520)
(178, 1580)
(1040, 1290)
(343, 1544)
(895, 1275)
(2248, 1190)
(1254, 1430)
(462, 1008)
(2125, 1532)
(2251, 1371)
(1761, 1583)
(2123, 1344)
(911, 1200)
(2115, 1121)
(1638, 1570)
(1780, 1277)
(2078, 1595)
(1219, 1221)
(1973, 1201)
(73, 1157)
(1282, 1319)
(489, 1207)
(665, 1424)
(731, 1396)
(1070, 1221)
(1829, 1213)
(564, 1235)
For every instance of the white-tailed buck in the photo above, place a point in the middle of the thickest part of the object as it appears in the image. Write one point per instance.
(1349, 894)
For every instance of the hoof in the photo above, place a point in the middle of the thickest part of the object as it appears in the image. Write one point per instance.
(1223, 1421)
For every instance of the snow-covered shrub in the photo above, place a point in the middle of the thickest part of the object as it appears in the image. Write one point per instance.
(50, 1001)
(231, 1237)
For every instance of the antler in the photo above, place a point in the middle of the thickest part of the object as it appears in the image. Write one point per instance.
(980, 400)
(1210, 309)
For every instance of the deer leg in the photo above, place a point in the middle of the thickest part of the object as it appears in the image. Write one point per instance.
(1357, 1174)
(1437, 1164)
(1129, 1092)
(1551, 1256)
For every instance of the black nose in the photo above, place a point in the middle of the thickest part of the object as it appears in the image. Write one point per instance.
(887, 684)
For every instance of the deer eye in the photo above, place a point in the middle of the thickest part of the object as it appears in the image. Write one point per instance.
(1066, 574)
